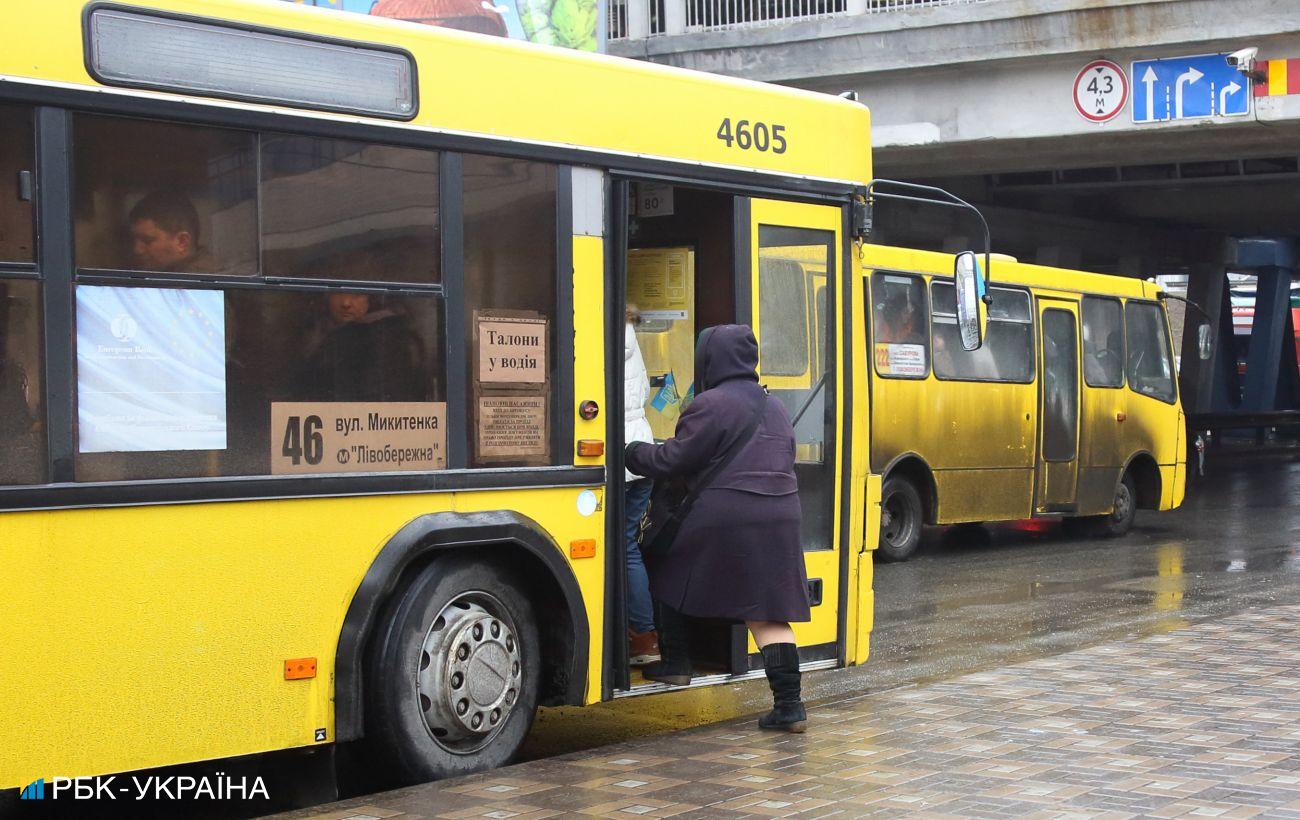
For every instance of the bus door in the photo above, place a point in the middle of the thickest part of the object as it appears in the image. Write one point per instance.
(794, 259)
(1058, 446)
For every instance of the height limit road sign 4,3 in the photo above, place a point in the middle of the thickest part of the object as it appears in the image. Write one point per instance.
(1100, 91)
(1188, 88)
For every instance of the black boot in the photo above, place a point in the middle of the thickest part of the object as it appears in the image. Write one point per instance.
(674, 666)
(781, 662)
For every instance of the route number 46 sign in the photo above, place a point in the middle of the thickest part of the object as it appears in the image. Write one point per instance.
(1100, 91)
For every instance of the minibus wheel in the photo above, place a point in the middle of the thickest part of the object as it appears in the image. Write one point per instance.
(901, 516)
(454, 674)
(1124, 510)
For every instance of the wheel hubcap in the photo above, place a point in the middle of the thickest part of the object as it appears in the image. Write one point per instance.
(1123, 503)
(895, 523)
(470, 672)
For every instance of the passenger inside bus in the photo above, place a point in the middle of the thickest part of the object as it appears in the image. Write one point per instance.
(164, 234)
(898, 317)
(363, 349)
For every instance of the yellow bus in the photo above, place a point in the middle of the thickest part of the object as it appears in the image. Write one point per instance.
(310, 335)
(1070, 408)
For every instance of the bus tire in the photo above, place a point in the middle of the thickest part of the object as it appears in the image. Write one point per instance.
(901, 517)
(1120, 519)
(452, 681)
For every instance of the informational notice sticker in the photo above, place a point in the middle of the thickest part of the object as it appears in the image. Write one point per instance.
(900, 360)
(658, 282)
(512, 427)
(511, 350)
(357, 437)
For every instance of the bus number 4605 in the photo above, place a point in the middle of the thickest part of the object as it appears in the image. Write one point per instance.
(759, 136)
(303, 440)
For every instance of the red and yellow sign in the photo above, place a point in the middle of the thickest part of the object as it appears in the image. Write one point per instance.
(1282, 77)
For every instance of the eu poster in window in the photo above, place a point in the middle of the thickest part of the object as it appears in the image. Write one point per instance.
(151, 369)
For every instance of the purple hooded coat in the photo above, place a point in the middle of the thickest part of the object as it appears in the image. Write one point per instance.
(737, 556)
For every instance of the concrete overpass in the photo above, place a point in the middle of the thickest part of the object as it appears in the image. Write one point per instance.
(978, 95)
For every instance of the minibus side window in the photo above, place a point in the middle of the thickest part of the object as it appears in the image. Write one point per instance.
(1103, 342)
(1007, 354)
(1150, 366)
(900, 325)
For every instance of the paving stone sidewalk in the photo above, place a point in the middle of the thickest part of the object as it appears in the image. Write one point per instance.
(1203, 721)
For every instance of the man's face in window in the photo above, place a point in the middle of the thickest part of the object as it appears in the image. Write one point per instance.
(153, 248)
(348, 307)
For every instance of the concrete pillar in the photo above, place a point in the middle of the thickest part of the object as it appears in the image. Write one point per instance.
(638, 19)
(856, 7)
(674, 16)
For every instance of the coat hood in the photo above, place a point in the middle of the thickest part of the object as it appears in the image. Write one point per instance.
(723, 353)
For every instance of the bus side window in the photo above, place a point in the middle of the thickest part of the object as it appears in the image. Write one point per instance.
(900, 325)
(377, 205)
(1103, 342)
(152, 196)
(185, 377)
(510, 269)
(1150, 367)
(22, 412)
(1007, 354)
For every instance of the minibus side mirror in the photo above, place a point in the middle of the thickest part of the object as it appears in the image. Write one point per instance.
(970, 289)
(1204, 343)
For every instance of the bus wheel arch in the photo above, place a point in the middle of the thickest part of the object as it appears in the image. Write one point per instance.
(1144, 471)
(435, 540)
(908, 500)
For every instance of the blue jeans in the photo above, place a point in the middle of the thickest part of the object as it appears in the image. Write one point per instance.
(640, 611)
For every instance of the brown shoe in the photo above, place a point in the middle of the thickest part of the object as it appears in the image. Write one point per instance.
(643, 647)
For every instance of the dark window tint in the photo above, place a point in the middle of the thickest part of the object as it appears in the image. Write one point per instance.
(22, 414)
(1007, 354)
(1060, 386)
(347, 210)
(1103, 342)
(1150, 367)
(510, 288)
(900, 321)
(178, 382)
(162, 197)
(17, 183)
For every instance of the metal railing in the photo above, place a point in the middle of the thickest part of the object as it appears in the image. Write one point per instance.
(651, 18)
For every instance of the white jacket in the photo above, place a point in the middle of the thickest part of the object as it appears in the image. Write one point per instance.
(636, 393)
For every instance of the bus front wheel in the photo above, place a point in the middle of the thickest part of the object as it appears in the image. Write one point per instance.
(901, 517)
(453, 678)
(1123, 510)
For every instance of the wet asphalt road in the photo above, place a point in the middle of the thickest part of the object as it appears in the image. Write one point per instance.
(975, 598)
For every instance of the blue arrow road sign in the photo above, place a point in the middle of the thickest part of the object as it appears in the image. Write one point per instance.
(1188, 88)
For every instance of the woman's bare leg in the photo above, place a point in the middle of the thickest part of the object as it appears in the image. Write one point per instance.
(766, 632)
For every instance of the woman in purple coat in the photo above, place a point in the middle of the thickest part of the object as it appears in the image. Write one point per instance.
(737, 556)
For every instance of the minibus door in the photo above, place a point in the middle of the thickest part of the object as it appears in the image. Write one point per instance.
(1058, 444)
(794, 258)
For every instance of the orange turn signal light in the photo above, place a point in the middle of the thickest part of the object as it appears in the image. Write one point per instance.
(591, 447)
(300, 669)
(582, 548)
